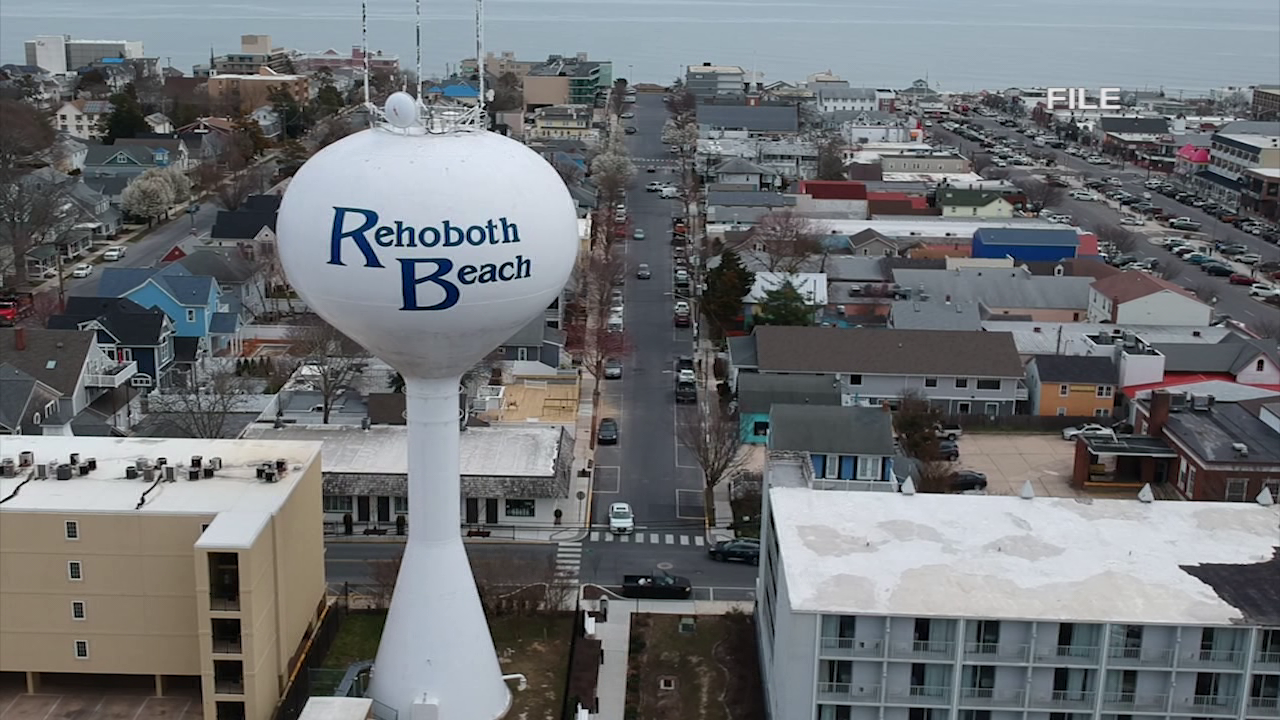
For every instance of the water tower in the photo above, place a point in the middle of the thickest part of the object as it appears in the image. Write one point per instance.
(430, 241)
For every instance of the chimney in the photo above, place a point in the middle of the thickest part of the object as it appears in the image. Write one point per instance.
(19, 339)
(1159, 413)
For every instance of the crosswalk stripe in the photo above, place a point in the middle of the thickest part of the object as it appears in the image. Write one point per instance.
(697, 540)
(669, 539)
(684, 539)
(609, 537)
(624, 538)
(653, 538)
(595, 536)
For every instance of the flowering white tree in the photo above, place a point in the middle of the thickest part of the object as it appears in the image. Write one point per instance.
(147, 197)
(178, 182)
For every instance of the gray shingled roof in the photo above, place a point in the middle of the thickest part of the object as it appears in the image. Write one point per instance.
(847, 94)
(934, 314)
(1002, 288)
(16, 388)
(1079, 369)
(742, 352)
(723, 198)
(1051, 237)
(1230, 355)
(875, 351)
(1134, 125)
(758, 118)
(1212, 434)
(54, 357)
(758, 392)
(741, 166)
(225, 268)
(837, 430)
(174, 279)
(127, 322)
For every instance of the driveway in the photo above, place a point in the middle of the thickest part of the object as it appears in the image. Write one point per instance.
(1010, 460)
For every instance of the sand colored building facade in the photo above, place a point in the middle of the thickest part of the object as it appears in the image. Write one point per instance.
(185, 561)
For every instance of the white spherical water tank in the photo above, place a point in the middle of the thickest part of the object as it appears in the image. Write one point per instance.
(430, 250)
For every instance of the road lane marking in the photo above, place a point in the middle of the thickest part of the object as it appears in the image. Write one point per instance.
(684, 539)
(669, 539)
(698, 540)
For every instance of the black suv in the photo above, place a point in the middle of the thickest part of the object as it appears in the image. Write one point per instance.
(968, 480)
(745, 550)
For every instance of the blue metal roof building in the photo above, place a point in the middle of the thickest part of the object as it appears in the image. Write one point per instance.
(1026, 245)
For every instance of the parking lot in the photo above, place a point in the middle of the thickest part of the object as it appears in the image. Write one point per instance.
(67, 703)
(1010, 460)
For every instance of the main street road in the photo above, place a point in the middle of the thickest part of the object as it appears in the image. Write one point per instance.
(1233, 300)
(350, 562)
(646, 468)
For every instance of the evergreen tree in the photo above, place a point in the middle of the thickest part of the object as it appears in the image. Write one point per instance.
(126, 119)
(294, 118)
(785, 305)
(727, 284)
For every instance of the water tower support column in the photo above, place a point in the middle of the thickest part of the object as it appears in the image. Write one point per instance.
(436, 660)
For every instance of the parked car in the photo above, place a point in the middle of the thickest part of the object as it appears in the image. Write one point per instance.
(621, 520)
(607, 433)
(1082, 195)
(949, 431)
(1249, 258)
(1263, 290)
(657, 587)
(643, 272)
(745, 550)
(1184, 224)
(1088, 430)
(1238, 279)
(966, 480)
(1132, 220)
(637, 234)
(1217, 269)
(114, 253)
(948, 450)
(83, 270)
(612, 369)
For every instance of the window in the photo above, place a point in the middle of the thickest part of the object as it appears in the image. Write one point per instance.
(337, 503)
(760, 428)
(1105, 391)
(1260, 365)
(401, 505)
(868, 468)
(964, 408)
(74, 570)
(1064, 390)
(1273, 486)
(1191, 483)
(82, 649)
(931, 382)
(72, 530)
(77, 609)
(1237, 489)
(520, 508)
(855, 379)
(191, 315)
(1062, 412)
(988, 384)
(1102, 412)
(993, 408)
(962, 382)
(522, 353)
(48, 409)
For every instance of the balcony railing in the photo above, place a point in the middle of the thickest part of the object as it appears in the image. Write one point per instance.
(923, 649)
(1264, 707)
(991, 698)
(225, 602)
(228, 687)
(848, 692)
(1021, 392)
(1065, 700)
(1125, 701)
(921, 695)
(852, 647)
(112, 377)
(1218, 659)
(1069, 655)
(1207, 704)
(995, 652)
(226, 646)
(1266, 661)
(1139, 657)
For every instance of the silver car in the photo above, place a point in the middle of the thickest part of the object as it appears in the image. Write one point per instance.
(643, 272)
(613, 369)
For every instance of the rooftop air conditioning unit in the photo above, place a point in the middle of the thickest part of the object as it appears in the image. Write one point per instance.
(1241, 449)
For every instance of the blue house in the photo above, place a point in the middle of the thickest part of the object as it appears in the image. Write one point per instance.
(126, 332)
(1026, 245)
(204, 321)
(759, 392)
(850, 448)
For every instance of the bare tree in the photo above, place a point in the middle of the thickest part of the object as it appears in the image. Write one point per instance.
(330, 360)
(1123, 240)
(34, 207)
(204, 408)
(682, 105)
(383, 574)
(1204, 290)
(1267, 328)
(786, 240)
(831, 158)
(715, 438)
(612, 170)
(1171, 271)
(1039, 194)
(980, 162)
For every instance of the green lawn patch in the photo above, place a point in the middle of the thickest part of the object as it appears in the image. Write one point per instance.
(711, 673)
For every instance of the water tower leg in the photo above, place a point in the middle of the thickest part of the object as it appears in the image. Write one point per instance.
(436, 660)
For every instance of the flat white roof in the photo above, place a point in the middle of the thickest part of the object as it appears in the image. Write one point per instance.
(1046, 558)
(337, 708)
(106, 490)
(1049, 338)
(961, 230)
(495, 451)
(234, 530)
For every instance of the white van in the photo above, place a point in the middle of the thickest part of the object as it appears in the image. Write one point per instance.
(615, 323)
(669, 192)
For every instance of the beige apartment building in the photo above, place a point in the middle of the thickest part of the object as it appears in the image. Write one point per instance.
(250, 92)
(190, 565)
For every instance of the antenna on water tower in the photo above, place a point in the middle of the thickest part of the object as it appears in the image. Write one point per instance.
(417, 42)
(480, 91)
(364, 55)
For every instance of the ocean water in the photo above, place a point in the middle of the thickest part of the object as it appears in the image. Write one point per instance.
(1178, 45)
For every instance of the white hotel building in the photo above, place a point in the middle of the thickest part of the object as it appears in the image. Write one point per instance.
(892, 606)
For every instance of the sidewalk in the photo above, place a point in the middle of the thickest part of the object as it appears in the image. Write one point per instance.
(614, 635)
(705, 354)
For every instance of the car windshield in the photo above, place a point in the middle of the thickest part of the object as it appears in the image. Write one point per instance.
(621, 513)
